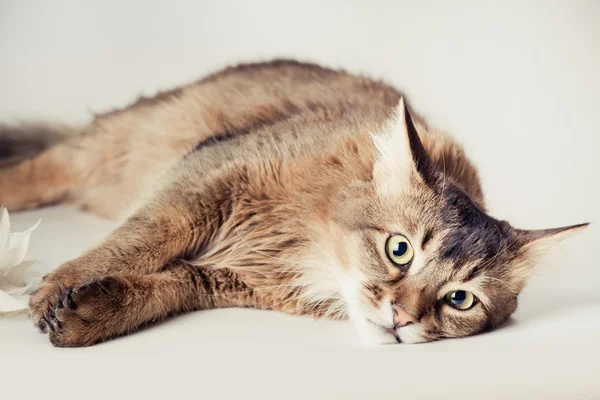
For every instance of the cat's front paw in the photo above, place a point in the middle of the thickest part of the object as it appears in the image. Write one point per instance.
(43, 301)
(84, 315)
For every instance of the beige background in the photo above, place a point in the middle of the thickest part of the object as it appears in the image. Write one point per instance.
(517, 83)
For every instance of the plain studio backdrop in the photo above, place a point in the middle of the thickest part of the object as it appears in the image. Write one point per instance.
(518, 83)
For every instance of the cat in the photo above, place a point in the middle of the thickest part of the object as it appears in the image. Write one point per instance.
(280, 185)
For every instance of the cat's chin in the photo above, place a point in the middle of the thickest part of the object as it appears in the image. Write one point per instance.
(371, 333)
(412, 333)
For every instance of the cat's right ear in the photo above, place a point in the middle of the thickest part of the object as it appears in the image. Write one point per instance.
(400, 153)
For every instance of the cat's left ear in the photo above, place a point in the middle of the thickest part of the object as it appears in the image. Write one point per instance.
(401, 152)
(537, 242)
(533, 245)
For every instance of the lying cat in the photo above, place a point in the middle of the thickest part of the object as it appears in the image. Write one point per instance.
(283, 186)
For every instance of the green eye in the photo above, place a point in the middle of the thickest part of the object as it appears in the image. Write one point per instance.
(399, 250)
(461, 299)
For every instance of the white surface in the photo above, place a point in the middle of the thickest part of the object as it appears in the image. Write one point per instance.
(517, 83)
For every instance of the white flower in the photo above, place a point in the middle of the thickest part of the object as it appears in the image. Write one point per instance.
(17, 279)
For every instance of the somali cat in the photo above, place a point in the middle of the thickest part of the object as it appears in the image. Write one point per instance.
(280, 185)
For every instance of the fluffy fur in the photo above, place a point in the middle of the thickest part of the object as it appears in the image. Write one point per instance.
(273, 186)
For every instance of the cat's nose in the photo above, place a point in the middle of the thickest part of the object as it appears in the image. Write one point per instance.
(402, 317)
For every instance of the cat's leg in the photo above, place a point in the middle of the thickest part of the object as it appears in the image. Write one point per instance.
(142, 245)
(175, 224)
(116, 305)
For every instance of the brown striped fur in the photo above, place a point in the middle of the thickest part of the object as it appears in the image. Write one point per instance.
(260, 186)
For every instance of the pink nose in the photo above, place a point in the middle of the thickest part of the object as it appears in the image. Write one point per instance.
(402, 317)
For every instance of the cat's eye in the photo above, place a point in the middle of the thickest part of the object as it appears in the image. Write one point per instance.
(461, 299)
(399, 250)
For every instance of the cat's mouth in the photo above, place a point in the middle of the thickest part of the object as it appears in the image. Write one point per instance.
(387, 330)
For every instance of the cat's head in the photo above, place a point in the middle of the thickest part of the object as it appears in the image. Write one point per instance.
(422, 260)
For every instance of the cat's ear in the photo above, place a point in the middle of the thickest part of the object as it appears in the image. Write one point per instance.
(538, 242)
(533, 245)
(400, 151)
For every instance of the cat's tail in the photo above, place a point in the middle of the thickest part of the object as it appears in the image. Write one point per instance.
(26, 140)
(36, 167)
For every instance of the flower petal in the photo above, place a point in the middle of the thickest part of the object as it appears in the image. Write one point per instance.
(19, 280)
(11, 304)
(18, 247)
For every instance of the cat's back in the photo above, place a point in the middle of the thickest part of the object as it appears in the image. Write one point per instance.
(279, 107)
(234, 104)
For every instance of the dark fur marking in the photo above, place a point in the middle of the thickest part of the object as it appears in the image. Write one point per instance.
(205, 282)
(475, 272)
(479, 236)
(18, 143)
(228, 135)
(395, 281)
(374, 294)
(422, 161)
(372, 249)
(437, 312)
(193, 276)
(426, 238)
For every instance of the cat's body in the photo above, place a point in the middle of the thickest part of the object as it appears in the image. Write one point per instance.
(261, 186)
